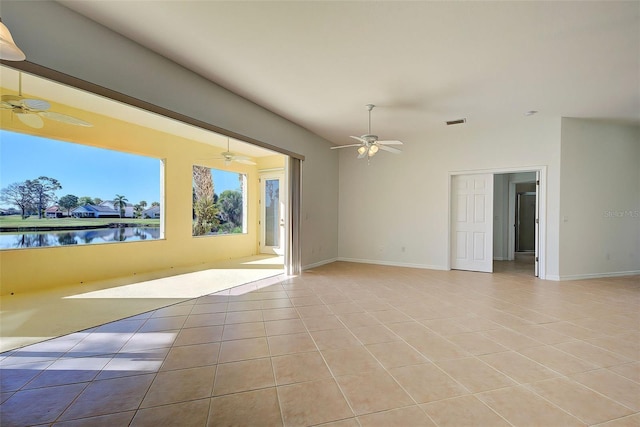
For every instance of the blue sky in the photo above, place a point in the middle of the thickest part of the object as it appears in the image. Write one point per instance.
(81, 170)
(223, 180)
(88, 171)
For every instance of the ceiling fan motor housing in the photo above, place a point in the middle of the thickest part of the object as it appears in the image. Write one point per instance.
(370, 138)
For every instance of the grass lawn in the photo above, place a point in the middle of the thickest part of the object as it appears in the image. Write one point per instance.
(12, 221)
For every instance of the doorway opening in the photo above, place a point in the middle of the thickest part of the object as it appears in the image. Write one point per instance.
(497, 221)
(273, 208)
(525, 232)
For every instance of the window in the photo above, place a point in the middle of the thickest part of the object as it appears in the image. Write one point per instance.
(219, 202)
(57, 193)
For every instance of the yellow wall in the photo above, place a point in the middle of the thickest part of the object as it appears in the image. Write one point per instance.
(271, 162)
(25, 270)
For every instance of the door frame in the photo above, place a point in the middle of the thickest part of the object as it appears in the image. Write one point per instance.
(511, 240)
(541, 207)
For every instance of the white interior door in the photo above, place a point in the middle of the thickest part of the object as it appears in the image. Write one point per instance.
(272, 213)
(472, 222)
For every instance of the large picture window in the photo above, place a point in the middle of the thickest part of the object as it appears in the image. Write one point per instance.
(219, 202)
(56, 193)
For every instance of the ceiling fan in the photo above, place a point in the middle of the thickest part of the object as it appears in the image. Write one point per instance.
(370, 144)
(229, 157)
(30, 111)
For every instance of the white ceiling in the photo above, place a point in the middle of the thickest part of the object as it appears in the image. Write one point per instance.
(317, 63)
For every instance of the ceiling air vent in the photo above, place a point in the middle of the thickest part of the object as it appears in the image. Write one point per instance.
(456, 122)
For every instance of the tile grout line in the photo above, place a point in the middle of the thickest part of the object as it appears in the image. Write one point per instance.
(155, 374)
(344, 396)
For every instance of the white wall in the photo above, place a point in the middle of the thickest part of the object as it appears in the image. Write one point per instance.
(402, 201)
(600, 199)
(55, 37)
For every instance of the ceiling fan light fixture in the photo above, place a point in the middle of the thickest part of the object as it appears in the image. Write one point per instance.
(369, 144)
(9, 51)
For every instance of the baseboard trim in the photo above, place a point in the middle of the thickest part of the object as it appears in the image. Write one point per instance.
(319, 263)
(439, 267)
(593, 275)
(392, 263)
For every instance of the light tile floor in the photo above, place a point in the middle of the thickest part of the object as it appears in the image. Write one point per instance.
(31, 317)
(349, 345)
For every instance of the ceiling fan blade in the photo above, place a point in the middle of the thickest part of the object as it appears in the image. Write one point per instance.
(345, 146)
(392, 142)
(389, 149)
(359, 139)
(6, 106)
(64, 118)
(36, 104)
(244, 161)
(31, 120)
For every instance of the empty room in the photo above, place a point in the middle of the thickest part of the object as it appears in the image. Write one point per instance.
(376, 213)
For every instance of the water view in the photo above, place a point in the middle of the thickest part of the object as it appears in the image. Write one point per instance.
(77, 237)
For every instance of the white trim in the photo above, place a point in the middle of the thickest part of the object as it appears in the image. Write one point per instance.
(393, 263)
(245, 202)
(594, 275)
(498, 170)
(320, 263)
(162, 208)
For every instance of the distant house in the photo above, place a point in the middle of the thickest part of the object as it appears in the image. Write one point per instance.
(128, 210)
(10, 211)
(92, 211)
(53, 212)
(152, 212)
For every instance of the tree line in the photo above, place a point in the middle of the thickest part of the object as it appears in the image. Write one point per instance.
(33, 196)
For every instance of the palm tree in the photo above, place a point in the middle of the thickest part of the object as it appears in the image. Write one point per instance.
(121, 203)
(140, 208)
(230, 206)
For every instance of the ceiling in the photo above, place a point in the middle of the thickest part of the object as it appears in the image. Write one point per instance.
(40, 88)
(317, 63)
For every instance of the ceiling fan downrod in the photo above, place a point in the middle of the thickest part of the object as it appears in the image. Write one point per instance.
(369, 108)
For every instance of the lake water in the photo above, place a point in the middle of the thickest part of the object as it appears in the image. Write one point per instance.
(77, 237)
